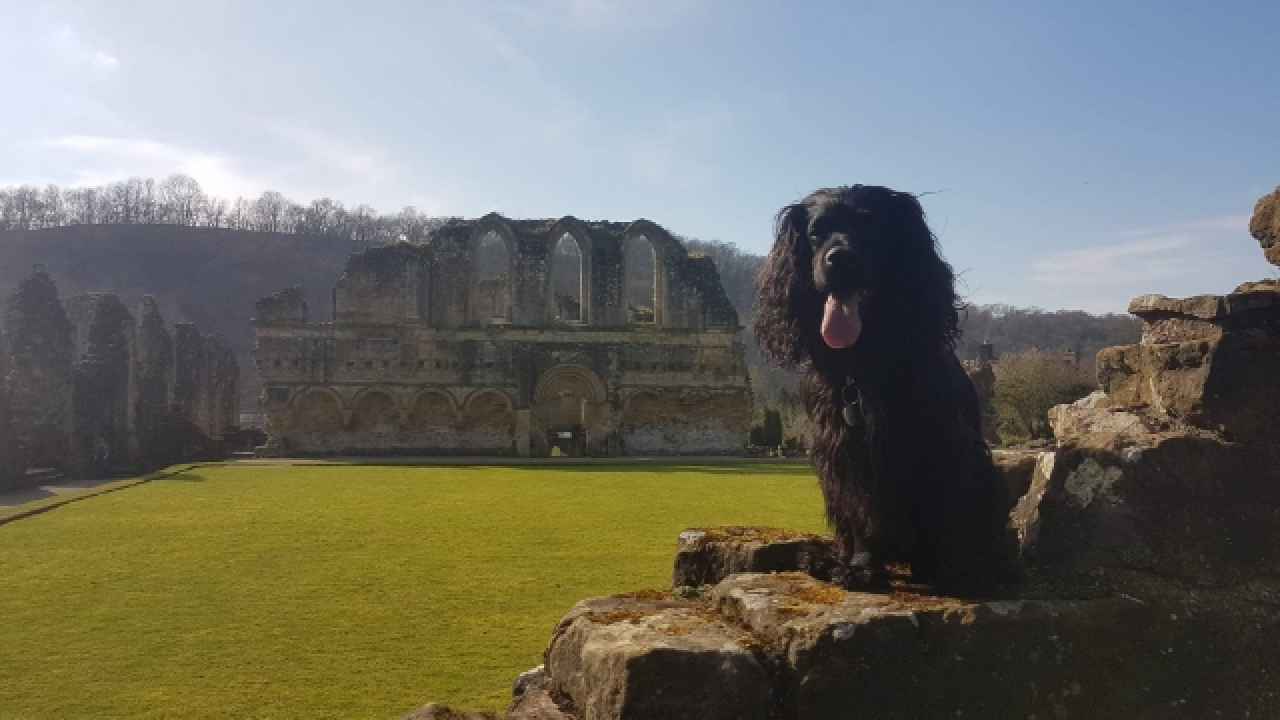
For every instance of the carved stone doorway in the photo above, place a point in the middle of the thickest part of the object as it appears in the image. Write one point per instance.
(568, 409)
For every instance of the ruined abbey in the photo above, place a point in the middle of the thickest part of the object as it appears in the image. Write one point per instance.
(510, 337)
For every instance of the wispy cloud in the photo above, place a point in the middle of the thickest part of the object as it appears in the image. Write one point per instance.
(72, 48)
(1192, 257)
(361, 162)
(100, 159)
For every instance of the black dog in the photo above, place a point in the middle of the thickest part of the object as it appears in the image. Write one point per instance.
(855, 293)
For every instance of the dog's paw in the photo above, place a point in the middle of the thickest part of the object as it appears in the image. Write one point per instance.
(862, 573)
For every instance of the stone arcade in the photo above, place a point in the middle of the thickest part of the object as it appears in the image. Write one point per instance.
(513, 337)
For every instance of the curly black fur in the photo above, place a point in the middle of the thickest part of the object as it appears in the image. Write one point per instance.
(910, 479)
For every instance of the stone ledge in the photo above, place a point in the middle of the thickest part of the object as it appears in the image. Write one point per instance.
(847, 654)
(705, 556)
(637, 658)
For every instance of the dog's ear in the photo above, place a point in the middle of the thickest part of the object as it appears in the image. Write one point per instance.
(927, 278)
(787, 308)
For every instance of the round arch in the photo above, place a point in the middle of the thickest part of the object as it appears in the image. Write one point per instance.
(374, 410)
(562, 378)
(317, 409)
(433, 408)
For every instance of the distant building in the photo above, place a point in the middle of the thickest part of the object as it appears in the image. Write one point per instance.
(515, 337)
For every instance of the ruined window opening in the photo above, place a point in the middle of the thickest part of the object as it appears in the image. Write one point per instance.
(567, 281)
(491, 291)
(640, 281)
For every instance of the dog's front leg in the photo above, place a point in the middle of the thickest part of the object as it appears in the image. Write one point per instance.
(860, 568)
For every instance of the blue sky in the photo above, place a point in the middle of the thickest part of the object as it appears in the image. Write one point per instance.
(1078, 154)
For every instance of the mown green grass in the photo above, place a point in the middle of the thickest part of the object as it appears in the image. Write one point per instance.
(339, 591)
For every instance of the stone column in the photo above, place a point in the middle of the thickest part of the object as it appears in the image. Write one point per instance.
(40, 347)
(523, 423)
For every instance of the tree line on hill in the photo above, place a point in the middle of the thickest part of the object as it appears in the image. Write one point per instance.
(179, 200)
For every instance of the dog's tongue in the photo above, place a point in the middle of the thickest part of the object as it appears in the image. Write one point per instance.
(841, 323)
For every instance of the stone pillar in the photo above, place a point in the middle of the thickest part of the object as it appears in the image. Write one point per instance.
(103, 408)
(9, 469)
(523, 429)
(221, 391)
(40, 380)
(154, 369)
(189, 370)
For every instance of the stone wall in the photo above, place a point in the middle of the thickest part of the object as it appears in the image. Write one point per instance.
(9, 463)
(90, 390)
(104, 430)
(418, 360)
(40, 372)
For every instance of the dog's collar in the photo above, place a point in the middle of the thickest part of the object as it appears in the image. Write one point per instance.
(851, 403)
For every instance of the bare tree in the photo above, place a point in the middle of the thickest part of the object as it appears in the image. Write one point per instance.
(181, 198)
(213, 212)
(268, 211)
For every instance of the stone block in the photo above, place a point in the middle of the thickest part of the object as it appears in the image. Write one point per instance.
(705, 556)
(631, 658)
(840, 654)
(532, 699)
(1016, 467)
(1265, 225)
(1127, 491)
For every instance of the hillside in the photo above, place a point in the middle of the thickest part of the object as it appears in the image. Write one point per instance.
(209, 276)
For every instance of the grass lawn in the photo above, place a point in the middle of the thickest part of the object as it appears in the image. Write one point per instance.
(340, 591)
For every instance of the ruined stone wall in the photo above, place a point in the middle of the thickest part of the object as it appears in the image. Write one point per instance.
(9, 464)
(154, 369)
(205, 378)
(105, 384)
(40, 377)
(88, 389)
(409, 365)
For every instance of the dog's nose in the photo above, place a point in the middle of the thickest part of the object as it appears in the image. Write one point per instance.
(835, 255)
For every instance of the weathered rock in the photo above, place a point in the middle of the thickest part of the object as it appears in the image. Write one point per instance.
(1265, 225)
(532, 699)
(40, 378)
(436, 711)
(642, 659)
(901, 655)
(705, 556)
(1015, 467)
(1125, 491)
(906, 656)
(1209, 361)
